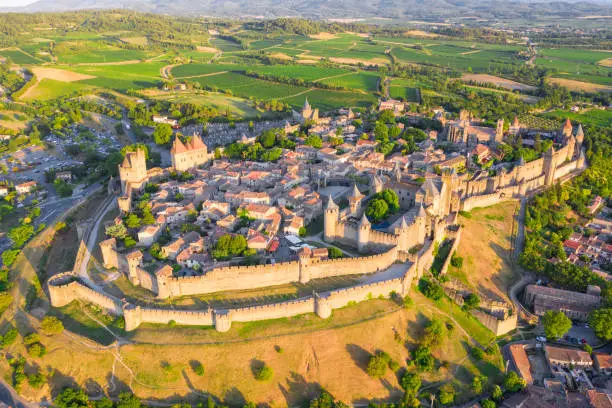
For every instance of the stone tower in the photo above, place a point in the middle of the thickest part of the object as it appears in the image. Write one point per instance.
(330, 220)
(377, 184)
(579, 139)
(571, 147)
(421, 221)
(134, 261)
(402, 232)
(550, 166)
(355, 201)
(567, 130)
(133, 170)
(363, 233)
(499, 131)
(109, 253)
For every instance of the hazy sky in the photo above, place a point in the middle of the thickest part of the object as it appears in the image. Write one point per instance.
(15, 3)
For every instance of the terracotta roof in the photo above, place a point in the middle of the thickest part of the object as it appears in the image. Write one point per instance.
(568, 355)
(519, 357)
(178, 146)
(603, 360)
(599, 399)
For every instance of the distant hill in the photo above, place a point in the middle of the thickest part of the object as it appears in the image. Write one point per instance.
(343, 9)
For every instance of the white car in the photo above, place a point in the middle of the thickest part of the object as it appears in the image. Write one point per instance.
(541, 339)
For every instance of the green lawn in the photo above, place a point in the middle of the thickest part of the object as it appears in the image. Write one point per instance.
(51, 89)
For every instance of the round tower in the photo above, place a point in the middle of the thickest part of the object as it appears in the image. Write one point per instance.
(363, 233)
(330, 220)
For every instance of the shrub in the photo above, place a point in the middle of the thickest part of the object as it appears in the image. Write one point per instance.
(37, 380)
(9, 337)
(334, 253)
(9, 256)
(430, 289)
(37, 350)
(264, 373)
(172, 323)
(422, 358)
(407, 302)
(377, 366)
(198, 368)
(477, 353)
(456, 260)
(51, 325)
(31, 339)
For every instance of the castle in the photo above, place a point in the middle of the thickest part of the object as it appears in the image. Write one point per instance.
(191, 154)
(405, 245)
(133, 172)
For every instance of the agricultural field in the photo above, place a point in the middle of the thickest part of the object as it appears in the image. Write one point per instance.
(594, 117)
(403, 89)
(95, 52)
(47, 89)
(13, 120)
(122, 77)
(18, 56)
(238, 107)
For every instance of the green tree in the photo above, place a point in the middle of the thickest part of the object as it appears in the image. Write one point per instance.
(496, 393)
(20, 235)
(162, 134)
(62, 188)
(377, 366)
(132, 221)
(435, 333)
(128, 400)
(72, 398)
(386, 116)
(377, 209)
(264, 373)
(314, 141)
(9, 256)
(601, 323)
(477, 384)
(447, 394)
(381, 132)
(487, 403)
(513, 383)
(422, 358)
(411, 383)
(116, 231)
(556, 324)
(51, 325)
(334, 253)
(471, 301)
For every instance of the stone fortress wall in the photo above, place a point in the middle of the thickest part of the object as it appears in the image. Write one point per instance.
(426, 229)
(64, 288)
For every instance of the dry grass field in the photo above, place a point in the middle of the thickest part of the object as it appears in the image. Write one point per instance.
(573, 85)
(304, 360)
(490, 79)
(486, 248)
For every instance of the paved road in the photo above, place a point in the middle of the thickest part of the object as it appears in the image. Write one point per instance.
(53, 208)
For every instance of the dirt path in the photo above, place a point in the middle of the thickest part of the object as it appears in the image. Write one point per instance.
(335, 76)
(203, 75)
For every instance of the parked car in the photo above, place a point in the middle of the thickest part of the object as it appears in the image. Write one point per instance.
(583, 341)
(541, 339)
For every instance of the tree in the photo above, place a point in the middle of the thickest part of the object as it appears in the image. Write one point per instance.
(62, 188)
(391, 198)
(334, 253)
(116, 231)
(128, 400)
(264, 373)
(514, 383)
(422, 358)
(9, 256)
(601, 323)
(387, 116)
(51, 325)
(556, 324)
(447, 394)
(326, 400)
(72, 398)
(132, 221)
(314, 141)
(477, 385)
(377, 209)
(496, 393)
(411, 383)
(487, 403)
(435, 332)
(377, 366)
(381, 132)
(20, 235)
(162, 134)
(471, 301)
